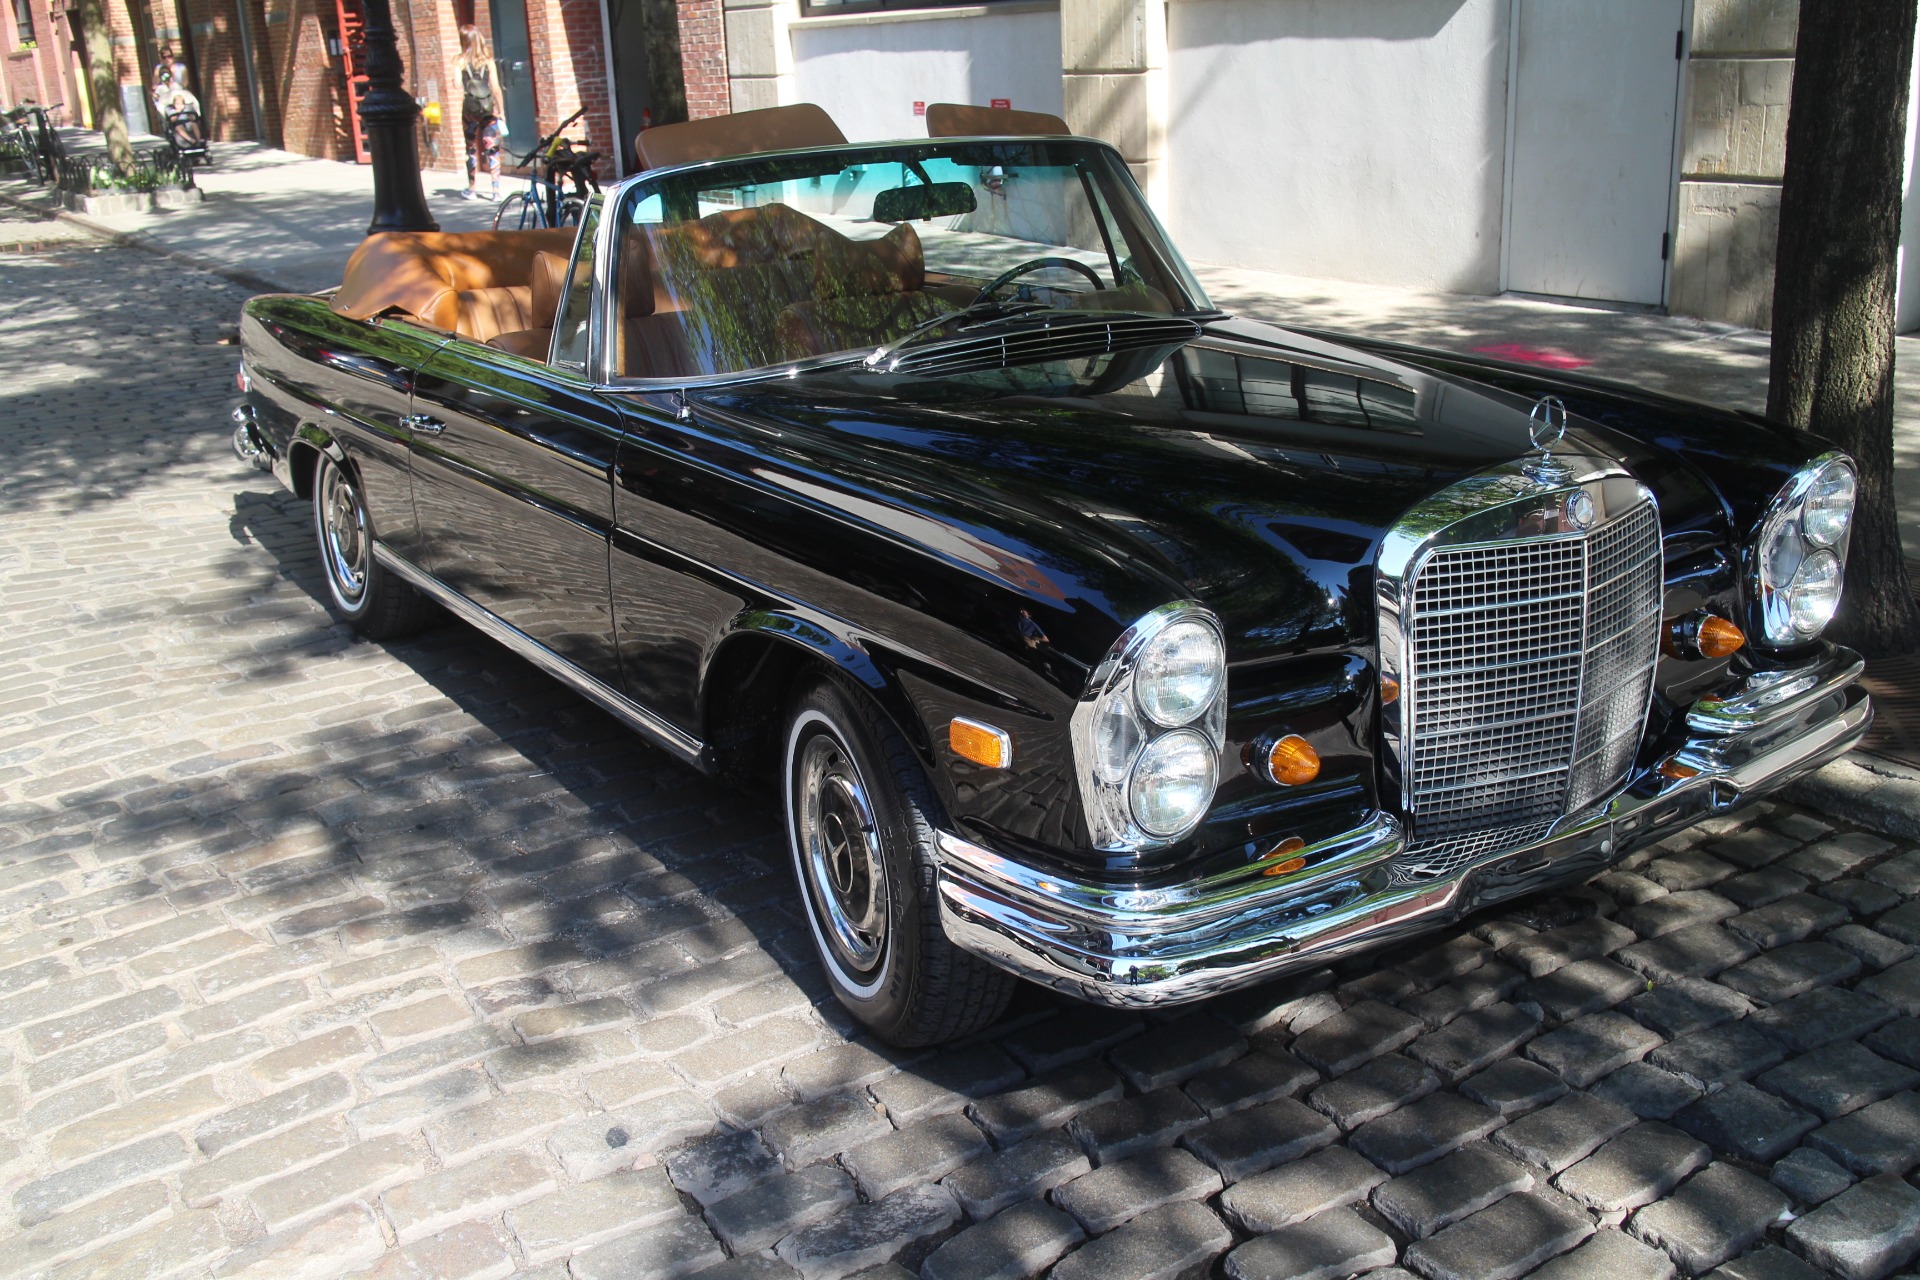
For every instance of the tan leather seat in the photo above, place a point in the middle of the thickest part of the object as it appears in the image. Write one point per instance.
(482, 314)
(865, 293)
(744, 133)
(676, 280)
(423, 274)
(960, 120)
(534, 340)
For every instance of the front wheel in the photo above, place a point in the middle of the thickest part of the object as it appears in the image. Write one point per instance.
(859, 830)
(519, 212)
(367, 597)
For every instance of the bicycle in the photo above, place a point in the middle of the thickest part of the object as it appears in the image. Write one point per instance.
(32, 138)
(546, 202)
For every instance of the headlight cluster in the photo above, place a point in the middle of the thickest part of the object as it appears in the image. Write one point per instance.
(1801, 558)
(1148, 732)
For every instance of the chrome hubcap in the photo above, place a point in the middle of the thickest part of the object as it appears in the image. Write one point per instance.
(343, 536)
(840, 848)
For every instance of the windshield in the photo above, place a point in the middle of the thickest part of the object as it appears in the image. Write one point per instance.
(770, 261)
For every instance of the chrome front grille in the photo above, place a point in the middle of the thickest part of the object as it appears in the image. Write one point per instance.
(1530, 664)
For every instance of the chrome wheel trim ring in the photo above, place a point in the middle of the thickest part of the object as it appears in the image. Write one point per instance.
(344, 541)
(838, 855)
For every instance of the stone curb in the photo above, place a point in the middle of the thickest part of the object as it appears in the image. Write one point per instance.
(1868, 790)
(136, 240)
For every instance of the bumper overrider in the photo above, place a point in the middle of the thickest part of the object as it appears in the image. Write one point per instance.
(1126, 946)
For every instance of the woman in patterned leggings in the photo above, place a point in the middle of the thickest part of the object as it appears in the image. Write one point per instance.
(479, 112)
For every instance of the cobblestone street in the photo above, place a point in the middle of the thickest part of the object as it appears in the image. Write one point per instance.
(324, 958)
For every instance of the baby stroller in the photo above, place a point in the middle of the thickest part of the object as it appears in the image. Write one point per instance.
(184, 132)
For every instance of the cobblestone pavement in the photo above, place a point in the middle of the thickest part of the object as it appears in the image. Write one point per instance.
(320, 958)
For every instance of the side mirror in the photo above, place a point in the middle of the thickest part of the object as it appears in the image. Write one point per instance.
(922, 201)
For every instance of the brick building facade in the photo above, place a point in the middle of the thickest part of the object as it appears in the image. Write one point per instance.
(40, 65)
(278, 71)
(703, 58)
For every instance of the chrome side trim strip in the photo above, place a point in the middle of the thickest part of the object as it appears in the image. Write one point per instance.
(682, 745)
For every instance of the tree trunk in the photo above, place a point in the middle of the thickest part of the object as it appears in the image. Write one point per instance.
(103, 83)
(1833, 289)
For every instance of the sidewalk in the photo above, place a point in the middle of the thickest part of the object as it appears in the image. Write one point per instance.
(270, 218)
(276, 220)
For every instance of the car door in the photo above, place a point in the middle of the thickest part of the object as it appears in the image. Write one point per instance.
(513, 481)
(361, 372)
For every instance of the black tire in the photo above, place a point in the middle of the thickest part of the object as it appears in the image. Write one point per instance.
(359, 589)
(893, 966)
(519, 212)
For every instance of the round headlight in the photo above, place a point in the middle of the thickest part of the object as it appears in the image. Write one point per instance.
(1180, 673)
(1172, 782)
(1815, 593)
(1828, 510)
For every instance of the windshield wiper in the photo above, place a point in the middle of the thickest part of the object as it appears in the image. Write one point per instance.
(984, 307)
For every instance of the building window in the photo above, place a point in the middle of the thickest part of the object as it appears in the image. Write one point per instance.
(23, 22)
(827, 8)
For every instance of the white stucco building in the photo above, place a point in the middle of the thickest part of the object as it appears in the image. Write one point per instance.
(1621, 151)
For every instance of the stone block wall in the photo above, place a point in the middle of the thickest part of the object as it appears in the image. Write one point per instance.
(1733, 148)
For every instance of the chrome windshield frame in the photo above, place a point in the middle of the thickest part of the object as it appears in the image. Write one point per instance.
(605, 354)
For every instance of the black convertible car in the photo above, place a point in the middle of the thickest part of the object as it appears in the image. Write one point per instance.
(1091, 634)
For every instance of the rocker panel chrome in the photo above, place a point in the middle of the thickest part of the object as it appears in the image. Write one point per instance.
(624, 709)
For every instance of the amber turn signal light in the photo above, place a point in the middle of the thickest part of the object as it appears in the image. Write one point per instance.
(1292, 761)
(981, 743)
(1718, 637)
(1676, 771)
(1389, 691)
(1702, 635)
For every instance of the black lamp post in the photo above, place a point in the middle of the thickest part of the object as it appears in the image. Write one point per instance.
(388, 112)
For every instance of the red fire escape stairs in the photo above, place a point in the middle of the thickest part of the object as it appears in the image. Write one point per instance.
(353, 63)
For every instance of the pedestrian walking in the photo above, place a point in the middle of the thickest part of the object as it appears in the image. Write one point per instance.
(479, 112)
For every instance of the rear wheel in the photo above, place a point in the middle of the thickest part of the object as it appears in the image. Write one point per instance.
(362, 592)
(858, 826)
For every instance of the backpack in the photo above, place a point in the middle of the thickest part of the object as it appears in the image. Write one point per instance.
(477, 86)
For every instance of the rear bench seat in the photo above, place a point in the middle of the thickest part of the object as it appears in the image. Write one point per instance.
(474, 283)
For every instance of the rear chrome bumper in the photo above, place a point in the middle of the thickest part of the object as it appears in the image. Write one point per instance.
(249, 443)
(1125, 946)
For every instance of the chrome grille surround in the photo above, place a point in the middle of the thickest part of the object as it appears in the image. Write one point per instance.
(1524, 646)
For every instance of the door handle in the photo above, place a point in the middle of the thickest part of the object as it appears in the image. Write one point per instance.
(420, 424)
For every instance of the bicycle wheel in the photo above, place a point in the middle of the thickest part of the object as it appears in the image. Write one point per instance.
(519, 212)
(571, 211)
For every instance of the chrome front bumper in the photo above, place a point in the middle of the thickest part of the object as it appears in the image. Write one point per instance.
(1141, 947)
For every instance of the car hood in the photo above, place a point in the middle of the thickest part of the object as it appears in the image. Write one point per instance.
(1251, 468)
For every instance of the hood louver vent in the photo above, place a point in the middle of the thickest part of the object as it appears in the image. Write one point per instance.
(1052, 339)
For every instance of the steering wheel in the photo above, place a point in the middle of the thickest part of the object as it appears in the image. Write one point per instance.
(1006, 278)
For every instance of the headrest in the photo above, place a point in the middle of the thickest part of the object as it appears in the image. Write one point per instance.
(419, 272)
(744, 133)
(959, 120)
(844, 268)
(744, 237)
(549, 281)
